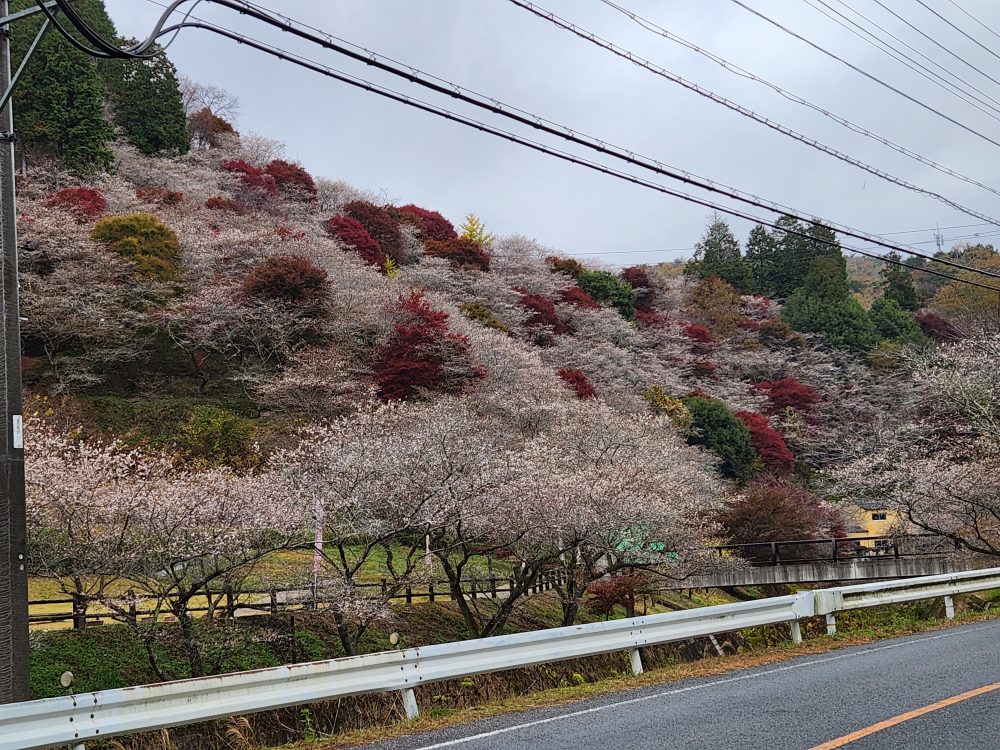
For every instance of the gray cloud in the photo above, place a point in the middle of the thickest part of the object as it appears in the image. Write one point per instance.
(500, 50)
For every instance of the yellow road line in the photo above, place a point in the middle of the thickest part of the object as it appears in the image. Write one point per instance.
(896, 720)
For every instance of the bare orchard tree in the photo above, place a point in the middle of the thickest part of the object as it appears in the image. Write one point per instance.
(198, 96)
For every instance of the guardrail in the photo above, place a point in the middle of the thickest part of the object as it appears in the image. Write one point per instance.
(77, 718)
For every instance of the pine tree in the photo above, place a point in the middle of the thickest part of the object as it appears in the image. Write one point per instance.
(718, 255)
(146, 100)
(897, 284)
(58, 105)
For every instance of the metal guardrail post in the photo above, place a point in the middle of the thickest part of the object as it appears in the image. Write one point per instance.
(410, 707)
(831, 624)
(715, 644)
(949, 607)
(796, 631)
(636, 659)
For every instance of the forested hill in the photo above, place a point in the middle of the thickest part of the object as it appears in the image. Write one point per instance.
(192, 294)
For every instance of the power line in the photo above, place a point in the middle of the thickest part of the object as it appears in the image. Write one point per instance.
(700, 90)
(926, 36)
(866, 74)
(744, 73)
(563, 155)
(958, 29)
(495, 106)
(989, 29)
(904, 59)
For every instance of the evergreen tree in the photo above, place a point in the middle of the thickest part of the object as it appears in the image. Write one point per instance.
(823, 304)
(58, 105)
(893, 322)
(897, 284)
(718, 255)
(146, 100)
(762, 261)
(793, 256)
(717, 428)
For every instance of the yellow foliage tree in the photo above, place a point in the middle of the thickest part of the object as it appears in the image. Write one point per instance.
(473, 229)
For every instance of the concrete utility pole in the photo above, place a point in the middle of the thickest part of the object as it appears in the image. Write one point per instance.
(13, 530)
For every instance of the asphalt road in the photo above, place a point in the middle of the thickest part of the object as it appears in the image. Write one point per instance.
(809, 702)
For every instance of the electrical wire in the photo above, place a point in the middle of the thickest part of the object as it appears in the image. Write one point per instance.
(958, 29)
(744, 73)
(904, 59)
(926, 36)
(495, 106)
(700, 90)
(989, 29)
(391, 94)
(865, 73)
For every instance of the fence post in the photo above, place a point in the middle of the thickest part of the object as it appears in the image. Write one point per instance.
(430, 592)
(493, 586)
(636, 658)
(230, 604)
(384, 587)
(834, 550)
(796, 631)
(409, 703)
(274, 601)
(949, 607)
(409, 594)
(472, 589)
(510, 586)
(831, 624)
(132, 615)
(79, 612)
(895, 547)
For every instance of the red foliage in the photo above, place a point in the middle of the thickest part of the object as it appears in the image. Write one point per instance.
(432, 225)
(543, 312)
(649, 319)
(768, 442)
(218, 203)
(287, 233)
(83, 203)
(704, 368)
(462, 253)
(638, 278)
(789, 393)
(160, 195)
(382, 224)
(936, 327)
(291, 278)
(579, 382)
(422, 354)
(605, 594)
(255, 179)
(578, 298)
(568, 266)
(355, 236)
(697, 333)
(208, 129)
(292, 180)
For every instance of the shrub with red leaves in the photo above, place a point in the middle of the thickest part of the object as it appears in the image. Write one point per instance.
(697, 333)
(568, 266)
(207, 130)
(637, 277)
(543, 312)
(936, 327)
(83, 203)
(704, 368)
(461, 253)
(355, 236)
(291, 278)
(768, 442)
(604, 595)
(649, 319)
(255, 180)
(295, 182)
(160, 195)
(579, 382)
(422, 355)
(218, 203)
(287, 233)
(382, 224)
(433, 226)
(789, 393)
(578, 298)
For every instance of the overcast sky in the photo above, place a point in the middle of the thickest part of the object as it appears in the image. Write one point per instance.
(501, 50)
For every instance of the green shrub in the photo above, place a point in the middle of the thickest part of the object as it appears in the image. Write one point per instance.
(718, 429)
(480, 313)
(608, 289)
(145, 240)
(216, 436)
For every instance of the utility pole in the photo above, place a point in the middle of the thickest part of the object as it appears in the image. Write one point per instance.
(13, 527)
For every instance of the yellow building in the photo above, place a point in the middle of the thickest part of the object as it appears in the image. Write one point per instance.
(873, 518)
